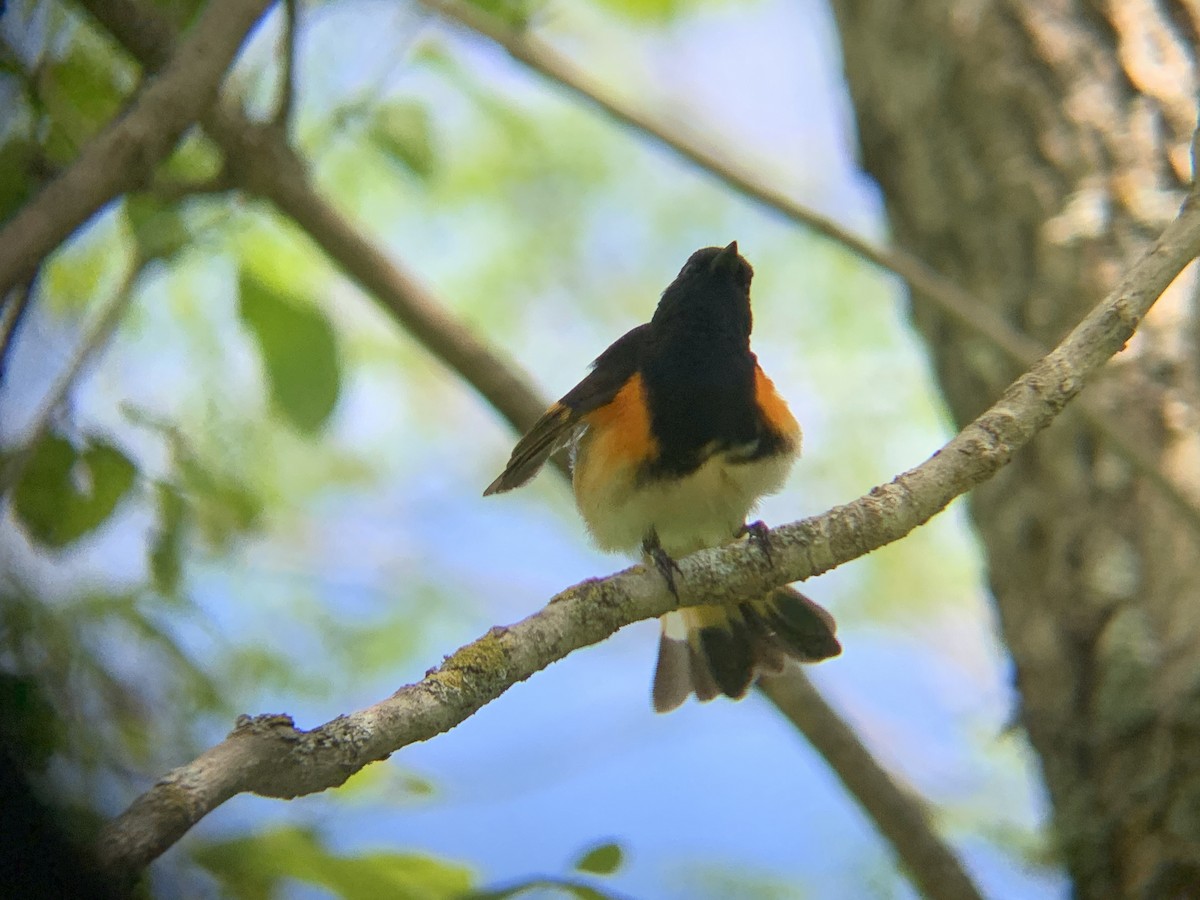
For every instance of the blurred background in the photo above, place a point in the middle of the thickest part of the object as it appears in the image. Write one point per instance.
(261, 495)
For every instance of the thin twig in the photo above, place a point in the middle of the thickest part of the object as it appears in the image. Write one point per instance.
(125, 153)
(269, 756)
(94, 340)
(287, 87)
(926, 284)
(896, 811)
(12, 314)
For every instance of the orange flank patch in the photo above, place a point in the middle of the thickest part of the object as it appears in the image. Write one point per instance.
(619, 432)
(774, 409)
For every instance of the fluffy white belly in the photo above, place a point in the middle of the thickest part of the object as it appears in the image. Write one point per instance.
(703, 509)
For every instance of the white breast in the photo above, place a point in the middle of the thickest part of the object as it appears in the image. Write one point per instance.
(704, 509)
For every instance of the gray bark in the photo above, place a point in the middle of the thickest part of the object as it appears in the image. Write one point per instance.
(1030, 150)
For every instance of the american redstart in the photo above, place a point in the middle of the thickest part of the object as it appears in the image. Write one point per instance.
(677, 433)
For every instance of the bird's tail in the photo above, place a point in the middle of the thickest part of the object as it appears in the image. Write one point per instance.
(713, 650)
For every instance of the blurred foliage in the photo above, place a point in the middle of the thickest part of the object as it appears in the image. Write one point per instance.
(513, 13)
(400, 786)
(29, 724)
(65, 493)
(258, 867)
(78, 92)
(299, 352)
(18, 181)
(711, 882)
(158, 227)
(603, 859)
(403, 130)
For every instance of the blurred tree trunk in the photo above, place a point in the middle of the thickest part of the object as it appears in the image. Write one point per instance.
(1030, 150)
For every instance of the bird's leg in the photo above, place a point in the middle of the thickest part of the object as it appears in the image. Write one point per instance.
(667, 566)
(760, 536)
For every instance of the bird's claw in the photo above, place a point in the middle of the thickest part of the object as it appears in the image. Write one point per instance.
(662, 561)
(760, 535)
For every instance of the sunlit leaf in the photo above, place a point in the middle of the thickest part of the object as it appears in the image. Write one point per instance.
(645, 10)
(63, 494)
(194, 161)
(513, 13)
(386, 783)
(299, 351)
(402, 129)
(252, 868)
(94, 263)
(81, 91)
(603, 859)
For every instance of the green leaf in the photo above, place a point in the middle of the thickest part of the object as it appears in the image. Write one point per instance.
(603, 859)
(658, 11)
(63, 495)
(586, 892)
(157, 227)
(166, 547)
(81, 91)
(386, 783)
(253, 868)
(299, 351)
(195, 161)
(403, 131)
(513, 13)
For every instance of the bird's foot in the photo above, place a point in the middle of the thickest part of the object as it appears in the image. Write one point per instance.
(662, 561)
(760, 536)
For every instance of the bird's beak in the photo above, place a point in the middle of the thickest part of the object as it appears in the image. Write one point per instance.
(726, 258)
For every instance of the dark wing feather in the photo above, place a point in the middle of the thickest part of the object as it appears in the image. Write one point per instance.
(558, 425)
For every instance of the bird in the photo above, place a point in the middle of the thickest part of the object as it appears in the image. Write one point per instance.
(675, 435)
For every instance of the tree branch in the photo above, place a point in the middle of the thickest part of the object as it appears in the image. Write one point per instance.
(287, 86)
(12, 314)
(125, 153)
(269, 756)
(926, 284)
(899, 814)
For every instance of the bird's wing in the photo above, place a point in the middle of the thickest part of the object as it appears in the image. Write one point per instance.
(560, 423)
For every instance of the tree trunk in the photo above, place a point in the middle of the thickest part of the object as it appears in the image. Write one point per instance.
(1030, 150)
